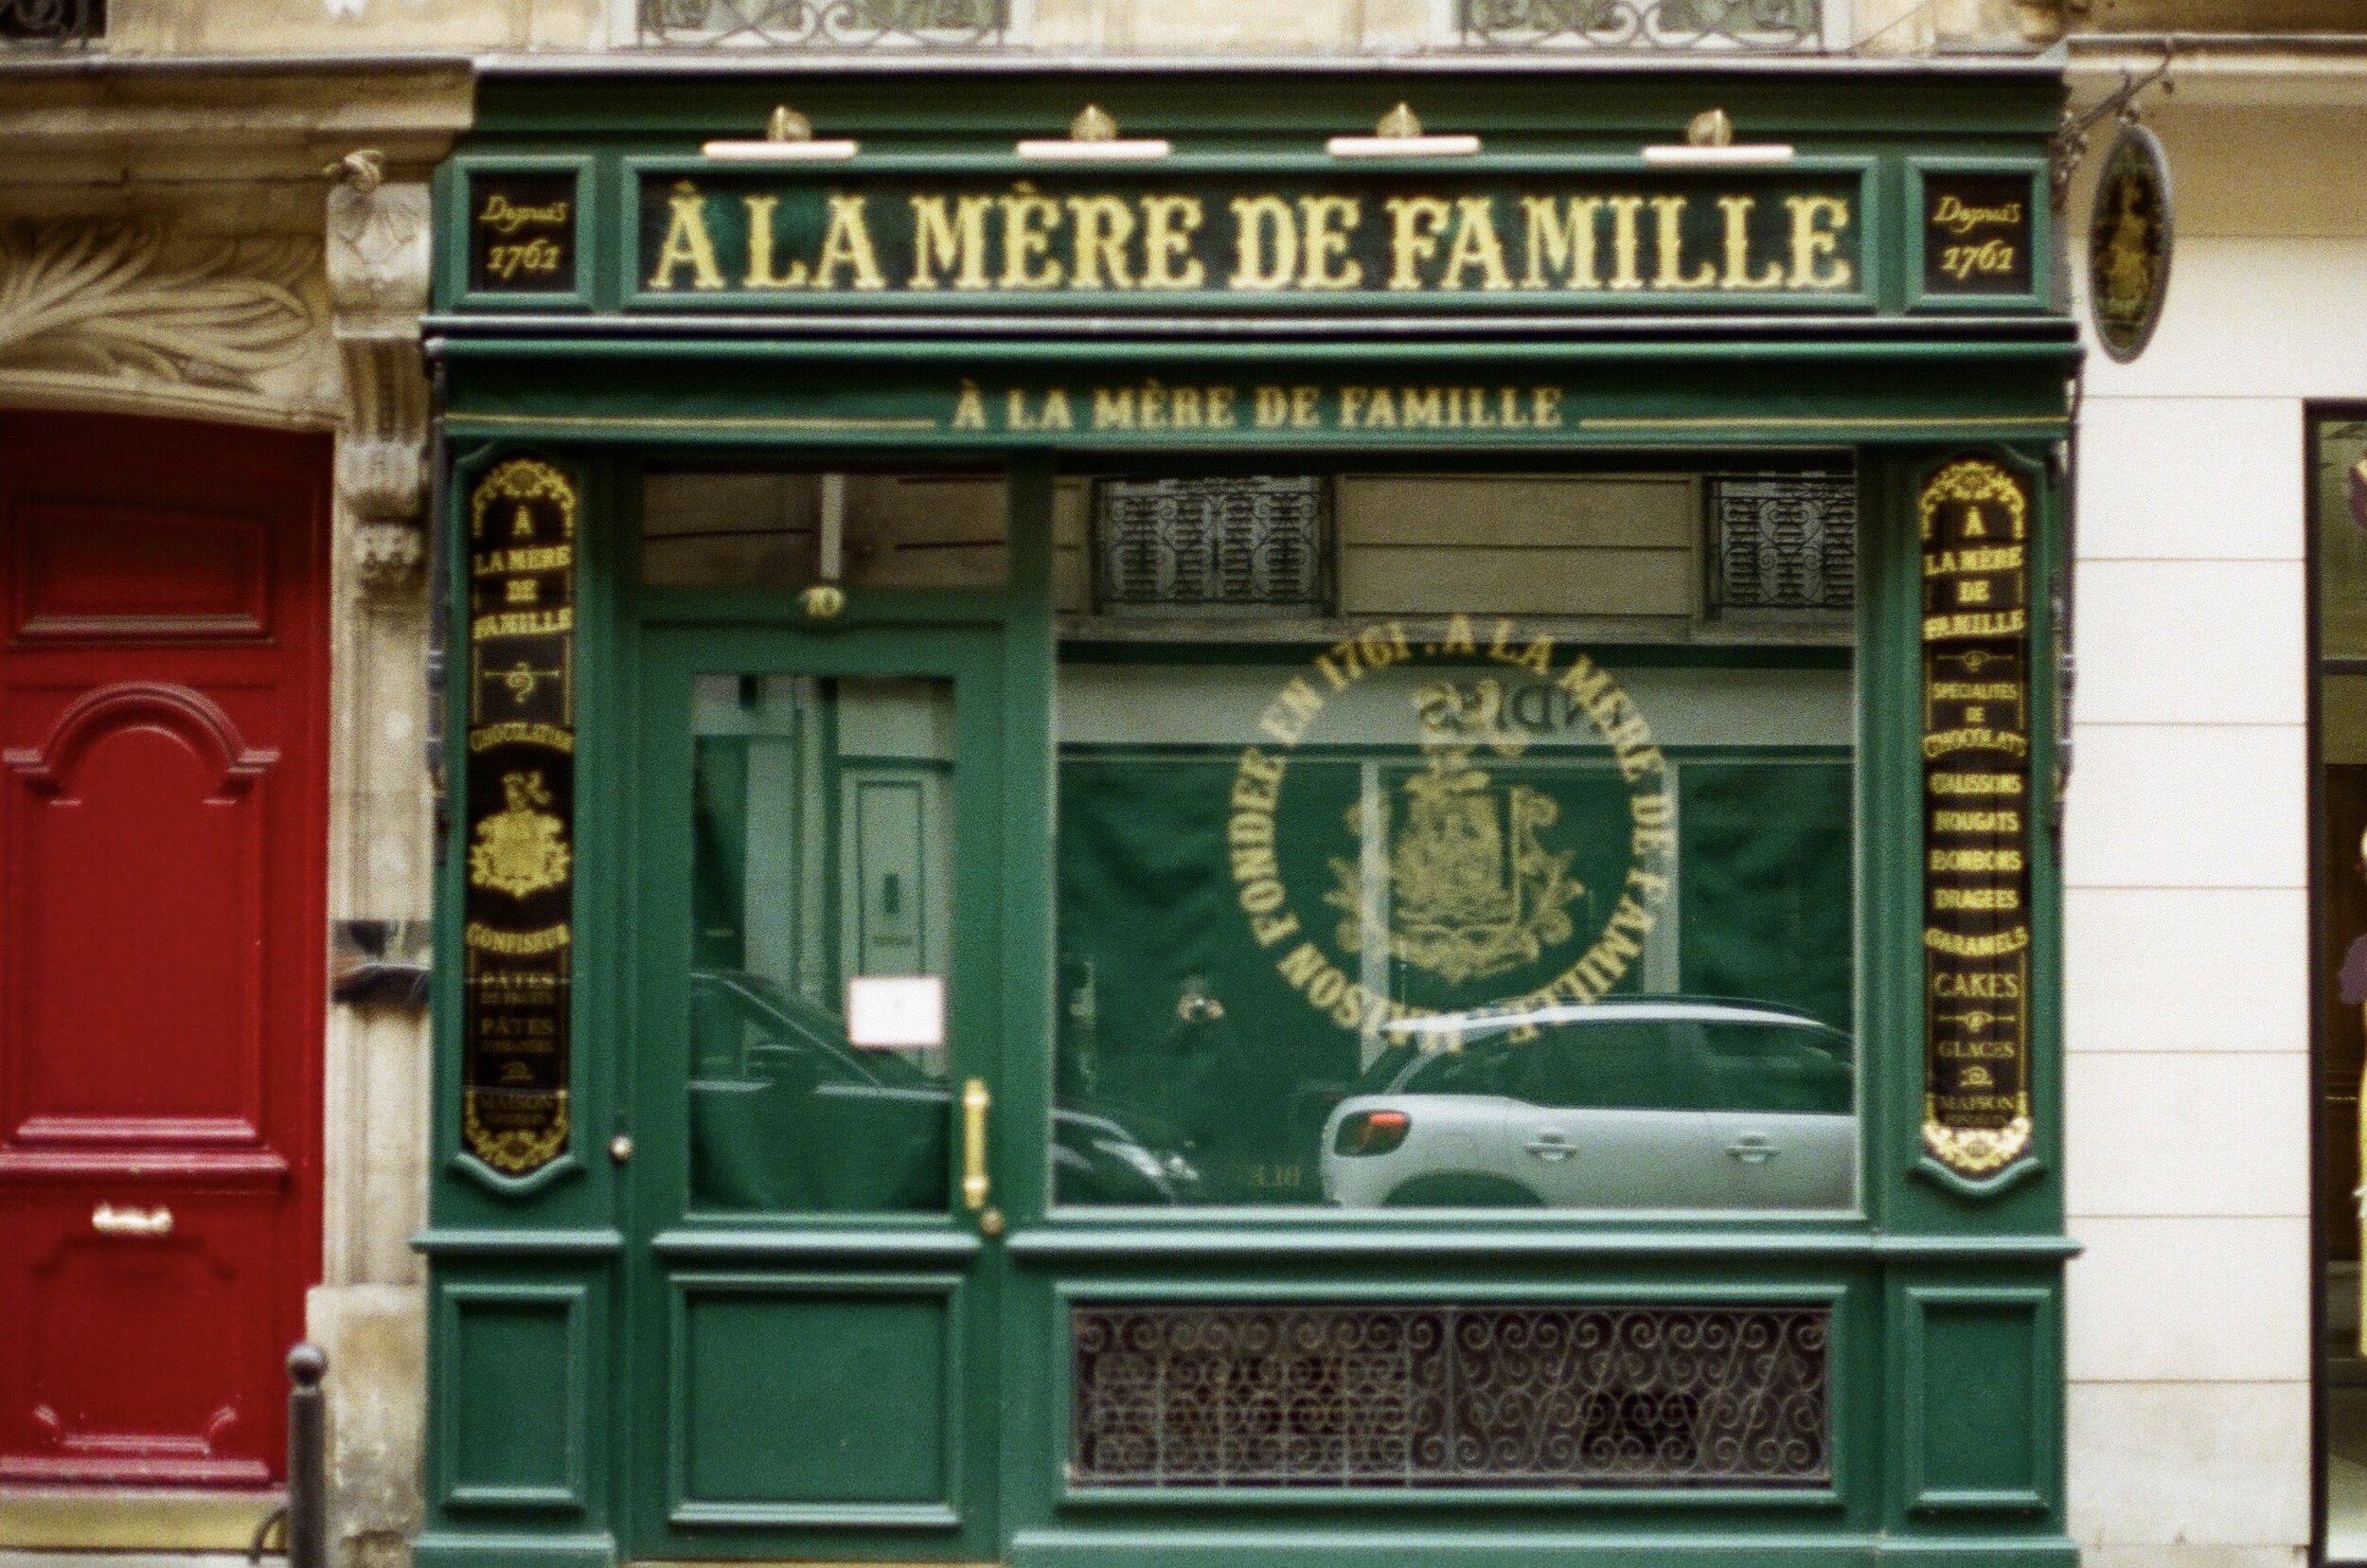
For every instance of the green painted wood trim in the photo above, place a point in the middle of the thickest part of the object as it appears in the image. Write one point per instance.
(454, 1491)
(1206, 1548)
(914, 1243)
(1123, 352)
(2041, 1421)
(1564, 100)
(1030, 669)
(447, 1548)
(1478, 1236)
(508, 1241)
(684, 1513)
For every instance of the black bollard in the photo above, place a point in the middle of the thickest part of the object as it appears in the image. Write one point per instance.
(308, 1458)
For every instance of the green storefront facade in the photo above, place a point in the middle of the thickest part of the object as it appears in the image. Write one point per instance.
(1257, 849)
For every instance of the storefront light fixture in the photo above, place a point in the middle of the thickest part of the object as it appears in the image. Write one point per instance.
(1710, 142)
(1092, 137)
(1399, 134)
(788, 138)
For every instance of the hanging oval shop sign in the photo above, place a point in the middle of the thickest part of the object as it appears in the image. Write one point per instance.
(2129, 244)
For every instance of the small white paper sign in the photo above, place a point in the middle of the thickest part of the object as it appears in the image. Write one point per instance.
(887, 1013)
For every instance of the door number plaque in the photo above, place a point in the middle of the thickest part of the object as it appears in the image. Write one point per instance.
(1976, 817)
(518, 937)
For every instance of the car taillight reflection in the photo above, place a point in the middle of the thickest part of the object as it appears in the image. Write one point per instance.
(1371, 1132)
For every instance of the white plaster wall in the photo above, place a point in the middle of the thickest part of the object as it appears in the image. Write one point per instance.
(2186, 863)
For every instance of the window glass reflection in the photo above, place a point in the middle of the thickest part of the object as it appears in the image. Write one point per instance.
(1423, 923)
(822, 857)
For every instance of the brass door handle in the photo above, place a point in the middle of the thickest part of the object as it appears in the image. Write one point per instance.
(107, 1220)
(975, 1102)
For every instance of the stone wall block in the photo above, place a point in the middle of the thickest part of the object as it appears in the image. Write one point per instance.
(376, 1337)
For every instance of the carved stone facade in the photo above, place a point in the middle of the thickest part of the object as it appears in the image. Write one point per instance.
(378, 279)
(128, 312)
(253, 247)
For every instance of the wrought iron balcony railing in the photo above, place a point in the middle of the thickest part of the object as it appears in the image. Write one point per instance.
(53, 22)
(1640, 25)
(825, 23)
(1644, 25)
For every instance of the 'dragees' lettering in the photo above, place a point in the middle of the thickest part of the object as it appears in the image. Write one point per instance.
(1031, 238)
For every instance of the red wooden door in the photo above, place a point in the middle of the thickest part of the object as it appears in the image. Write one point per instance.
(162, 950)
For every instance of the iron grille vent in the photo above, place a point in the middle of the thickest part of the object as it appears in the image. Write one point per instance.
(1784, 543)
(1643, 24)
(1211, 544)
(1366, 1396)
(52, 21)
(825, 24)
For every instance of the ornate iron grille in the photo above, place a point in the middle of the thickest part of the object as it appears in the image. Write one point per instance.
(52, 21)
(1643, 24)
(1210, 544)
(825, 23)
(1372, 1395)
(1785, 542)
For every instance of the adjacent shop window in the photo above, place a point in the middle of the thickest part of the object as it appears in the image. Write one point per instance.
(716, 528)
(2338, 509)
(1515, 881)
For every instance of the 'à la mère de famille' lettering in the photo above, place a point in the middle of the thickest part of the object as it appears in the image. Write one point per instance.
(1157, 405)
(1026, 239)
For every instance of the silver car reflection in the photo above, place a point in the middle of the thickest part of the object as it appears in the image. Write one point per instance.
(1627, 1103)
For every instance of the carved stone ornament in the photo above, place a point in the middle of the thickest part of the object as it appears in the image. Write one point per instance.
(378, 283)
(117, 301)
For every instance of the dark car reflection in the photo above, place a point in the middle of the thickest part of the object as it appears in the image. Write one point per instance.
(787, 1117)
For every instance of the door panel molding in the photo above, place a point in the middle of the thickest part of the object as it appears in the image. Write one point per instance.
(809, 1296)
(183, 710)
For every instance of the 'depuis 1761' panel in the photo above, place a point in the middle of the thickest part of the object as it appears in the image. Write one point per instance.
(1502, 1395)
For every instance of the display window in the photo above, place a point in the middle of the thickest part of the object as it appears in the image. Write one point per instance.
(1464, 909)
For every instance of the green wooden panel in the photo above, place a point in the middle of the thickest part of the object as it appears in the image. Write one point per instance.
(815, 1400)
(512, 1409)
(446, 1549)
(1977, 1368)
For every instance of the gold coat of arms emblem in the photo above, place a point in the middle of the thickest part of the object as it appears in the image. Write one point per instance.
(1473, 889)
(521, 850)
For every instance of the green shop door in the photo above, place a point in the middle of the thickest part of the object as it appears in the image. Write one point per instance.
(814, 1286)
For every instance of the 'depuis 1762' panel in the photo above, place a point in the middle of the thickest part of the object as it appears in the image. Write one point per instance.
(1177, 1396)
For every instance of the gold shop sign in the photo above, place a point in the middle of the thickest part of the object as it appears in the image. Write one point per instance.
(518, 932)
(1058, 235)
(2129, 244)
(1977, 815)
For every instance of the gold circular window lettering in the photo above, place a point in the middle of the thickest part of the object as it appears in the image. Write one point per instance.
(1458, 874)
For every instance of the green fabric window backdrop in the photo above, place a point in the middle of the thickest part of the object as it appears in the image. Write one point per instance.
(1441, 942)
